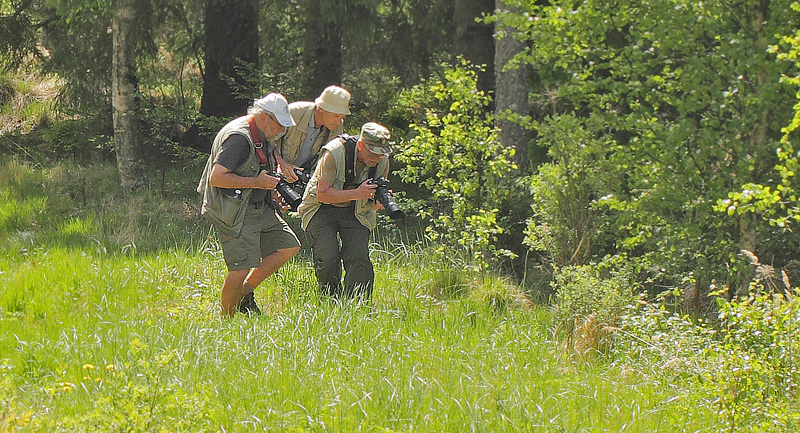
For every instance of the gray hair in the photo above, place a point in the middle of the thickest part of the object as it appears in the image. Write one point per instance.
(256, 110)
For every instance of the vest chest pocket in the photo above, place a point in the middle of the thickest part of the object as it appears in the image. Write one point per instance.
(227, 210)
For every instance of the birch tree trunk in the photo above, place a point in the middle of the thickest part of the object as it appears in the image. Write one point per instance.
(124, 99)
(511, 94)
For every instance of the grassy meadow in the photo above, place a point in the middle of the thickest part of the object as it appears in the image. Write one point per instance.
(109, 323)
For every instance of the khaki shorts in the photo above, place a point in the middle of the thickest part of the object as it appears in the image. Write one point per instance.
(263, 233)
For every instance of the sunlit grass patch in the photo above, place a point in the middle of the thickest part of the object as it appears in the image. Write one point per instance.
(109, 321)
(16, 214)
(78, 226)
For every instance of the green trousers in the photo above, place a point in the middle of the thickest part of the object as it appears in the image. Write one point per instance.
(338, 239)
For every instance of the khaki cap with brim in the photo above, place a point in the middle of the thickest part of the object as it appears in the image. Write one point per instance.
(376, 137)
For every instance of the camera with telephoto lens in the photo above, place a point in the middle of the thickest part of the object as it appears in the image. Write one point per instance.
(303, 176)
(285, 189)
(384, 197)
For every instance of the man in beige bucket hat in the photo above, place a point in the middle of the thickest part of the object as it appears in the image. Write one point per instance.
(317, 123)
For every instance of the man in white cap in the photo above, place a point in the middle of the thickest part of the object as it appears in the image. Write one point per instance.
(339, 211)
(317, 123)
(237, 198)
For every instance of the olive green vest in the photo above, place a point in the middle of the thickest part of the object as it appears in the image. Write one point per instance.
(364, 212)
(227, 212)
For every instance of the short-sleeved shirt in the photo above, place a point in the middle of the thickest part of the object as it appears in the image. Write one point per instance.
(308, 144)
(234, 152)
(328, 173)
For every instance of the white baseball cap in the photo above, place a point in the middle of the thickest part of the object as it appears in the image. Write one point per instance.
(276, 104)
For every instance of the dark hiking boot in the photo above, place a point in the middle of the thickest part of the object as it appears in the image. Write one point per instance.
(248, 305)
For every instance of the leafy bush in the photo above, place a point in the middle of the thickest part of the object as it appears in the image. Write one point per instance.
(590, 303)
(82, 139)
(566, 221)
(657, 338)
(455, 155)
(747, 361)
(758, 370)
(778, 202)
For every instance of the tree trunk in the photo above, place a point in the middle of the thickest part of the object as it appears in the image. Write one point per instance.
(231, 43)
(511, 92)
(748, 223)
(124, 99)
(475, 40)
(322, 50)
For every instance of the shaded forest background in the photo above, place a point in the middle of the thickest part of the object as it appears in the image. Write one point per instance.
(648, 141)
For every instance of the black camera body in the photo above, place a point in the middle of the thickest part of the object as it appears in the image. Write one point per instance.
(303, 177)
(384, 197)
(287, 191)
(292, 193)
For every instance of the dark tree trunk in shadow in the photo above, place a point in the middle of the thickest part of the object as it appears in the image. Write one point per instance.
(322, 54)
(231, 43)
(475, 40)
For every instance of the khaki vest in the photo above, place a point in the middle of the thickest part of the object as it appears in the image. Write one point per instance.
(225, 210)
(291, 143)
(364, 212)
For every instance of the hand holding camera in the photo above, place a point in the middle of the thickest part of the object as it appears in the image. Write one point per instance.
(383, 195)
(287, 192)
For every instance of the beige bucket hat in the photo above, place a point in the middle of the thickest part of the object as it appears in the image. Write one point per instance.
(335, 100)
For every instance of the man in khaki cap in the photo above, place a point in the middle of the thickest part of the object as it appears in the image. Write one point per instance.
(338, 206)
(317, 123)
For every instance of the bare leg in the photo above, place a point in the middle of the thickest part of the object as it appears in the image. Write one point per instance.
(232, 291)
(269, 265)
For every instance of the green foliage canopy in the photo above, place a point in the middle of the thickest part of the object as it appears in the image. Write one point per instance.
(691, 107)
(777, 203)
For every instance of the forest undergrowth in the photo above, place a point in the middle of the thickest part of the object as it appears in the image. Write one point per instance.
(109, 321)
(630, 266)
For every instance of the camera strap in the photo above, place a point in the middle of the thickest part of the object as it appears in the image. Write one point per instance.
(310, 163)
(263, 161)
(350, 161)
(262, 157)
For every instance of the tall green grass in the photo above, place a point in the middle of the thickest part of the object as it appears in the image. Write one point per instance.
(109, 322)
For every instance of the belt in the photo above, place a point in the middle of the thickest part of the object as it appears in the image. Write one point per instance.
(330, 206)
